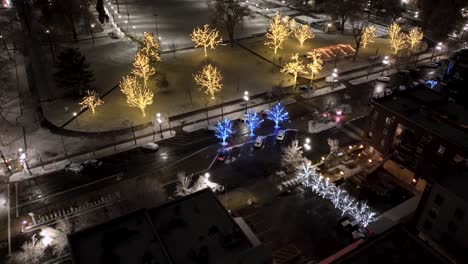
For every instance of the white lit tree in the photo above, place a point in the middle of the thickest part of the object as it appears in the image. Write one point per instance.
(31, 252)
(294, 67)
(414, 37)
(56, 237)
(303, 33)
(278, 31)
(292, 158)
(209, 79)
(315, 65)
(206, 37)
(91, 100)
(137, 95)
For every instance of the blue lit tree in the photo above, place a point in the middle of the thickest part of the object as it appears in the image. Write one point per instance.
(252, 120)
(224, 130)
(277, 114)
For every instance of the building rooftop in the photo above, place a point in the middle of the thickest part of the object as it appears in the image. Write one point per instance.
(431, 111)
(396, 245)
(195, 229)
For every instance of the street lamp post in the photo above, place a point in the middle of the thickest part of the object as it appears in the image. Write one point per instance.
(156, 23)
(92, 31)
(385, 62)
(246, 99)
(438, 48)
(334, 75)
(158, 118)
(5, 45)
(75, 115)
(47, 31)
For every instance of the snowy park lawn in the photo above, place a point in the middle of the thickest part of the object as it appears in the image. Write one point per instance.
(321, 40)
(241, 71)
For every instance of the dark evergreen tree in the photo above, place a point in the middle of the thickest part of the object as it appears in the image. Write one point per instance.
(73, 72)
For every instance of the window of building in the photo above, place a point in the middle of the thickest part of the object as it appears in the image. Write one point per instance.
(459, 213)
(441, 150)
(375, 115)
(439, 200)
(427, 225)
(385, 131)
(388, 121)
(419, 150)
(433, 213)
(370, 134)
(452, 227)
(382, 142)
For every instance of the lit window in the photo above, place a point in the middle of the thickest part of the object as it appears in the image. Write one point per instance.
(388, 121)
(370, 134)
(441, 150)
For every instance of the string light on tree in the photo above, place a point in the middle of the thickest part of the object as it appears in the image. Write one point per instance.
(209, 79)
(142, 67)
(206, 37)
(303, 33)
(294, 67)
(277, 114)
(368, 35)
(91, 100)
(150, 47)
(224, 130)
(398, 43)
(252, 120)
(415, 36)
(278, 32)
(137, 95)
(315, 65)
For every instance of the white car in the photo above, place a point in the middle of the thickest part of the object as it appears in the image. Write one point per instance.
(281, 135)
(383, 79)
(150, 146)
(74, 167)
(258, 141)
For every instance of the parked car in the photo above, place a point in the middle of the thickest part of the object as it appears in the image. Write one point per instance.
(74, 167)
(431, 65)
(281, 135)
(258, 141)
(388, 91)
(222, 155)
(384, 79)
(303, 87)
(150, 146)
(92, 163)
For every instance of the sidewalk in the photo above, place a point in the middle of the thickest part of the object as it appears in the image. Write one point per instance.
(59, 165)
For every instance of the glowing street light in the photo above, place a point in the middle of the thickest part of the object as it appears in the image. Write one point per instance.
(246, 99)
(385, 62)
(158, 118)
(334, 75)
(307, 144)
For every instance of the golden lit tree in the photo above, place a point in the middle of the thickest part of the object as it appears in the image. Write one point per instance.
(278, 32)
(393, 30)
(209, 79)
(206, 37)
(368, 35)
(150, 47)
(137, 95)
(91, 100)
(414, 37)
(315, 65)
(398, 43)
(142, 67)
(303, 33)
(294, 67)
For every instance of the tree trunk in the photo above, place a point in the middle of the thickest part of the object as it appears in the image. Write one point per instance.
(73, 28)
(343, 20)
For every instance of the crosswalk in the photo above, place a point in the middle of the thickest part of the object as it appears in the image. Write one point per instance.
(352, 131)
